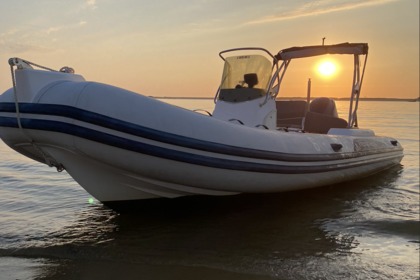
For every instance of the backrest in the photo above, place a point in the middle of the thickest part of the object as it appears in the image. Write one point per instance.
(290, 113)
(320, 123)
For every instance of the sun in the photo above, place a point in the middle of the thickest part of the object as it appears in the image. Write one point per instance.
(327, 68)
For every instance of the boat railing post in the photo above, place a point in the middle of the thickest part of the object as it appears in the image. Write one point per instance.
(359, 88)
(353, 90)
(279, 77)
(308, 96)
(217, 94)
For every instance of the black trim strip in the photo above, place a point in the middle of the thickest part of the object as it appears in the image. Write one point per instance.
(170, 154)
(149, 133)
(169, 138)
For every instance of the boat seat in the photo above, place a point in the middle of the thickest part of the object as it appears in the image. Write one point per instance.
(290, 113)
(321, 123)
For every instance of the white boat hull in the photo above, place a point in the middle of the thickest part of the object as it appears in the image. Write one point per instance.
(123, 146)
(114, 174)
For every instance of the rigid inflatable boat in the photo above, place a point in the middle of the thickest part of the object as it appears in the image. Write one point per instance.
(122, 146)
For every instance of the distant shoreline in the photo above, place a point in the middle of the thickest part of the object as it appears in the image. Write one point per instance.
(304, 98)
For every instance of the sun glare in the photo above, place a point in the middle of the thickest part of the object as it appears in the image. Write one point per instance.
(327, 68)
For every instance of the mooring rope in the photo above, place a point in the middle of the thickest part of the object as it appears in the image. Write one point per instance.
(48, 161)
(17, 103)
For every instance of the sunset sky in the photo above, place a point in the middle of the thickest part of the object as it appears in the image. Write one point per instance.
(170, 48)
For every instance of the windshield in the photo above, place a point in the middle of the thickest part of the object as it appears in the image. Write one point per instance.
(246, 71)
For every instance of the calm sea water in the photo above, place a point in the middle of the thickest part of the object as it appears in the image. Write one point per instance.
(50, 228)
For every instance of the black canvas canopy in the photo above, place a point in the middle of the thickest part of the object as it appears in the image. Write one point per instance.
(308, 51)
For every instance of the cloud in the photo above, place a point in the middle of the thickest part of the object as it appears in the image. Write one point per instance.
(29, 38)
(64, 28)
(52, 30)
(19, 47)
(313, 8)
(91, 4)
(16, 41)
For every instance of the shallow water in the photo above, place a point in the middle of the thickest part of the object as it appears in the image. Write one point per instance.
(50, 228)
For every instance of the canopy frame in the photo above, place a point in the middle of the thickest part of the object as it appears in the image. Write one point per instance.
(285, 56)
(355, 49)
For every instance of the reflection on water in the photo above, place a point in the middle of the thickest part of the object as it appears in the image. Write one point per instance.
(332, 231)
(22, 269)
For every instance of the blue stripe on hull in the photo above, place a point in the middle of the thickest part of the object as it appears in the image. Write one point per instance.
(156, 151)
(169, 138)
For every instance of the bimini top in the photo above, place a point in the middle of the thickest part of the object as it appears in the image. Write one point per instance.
(308, 51)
